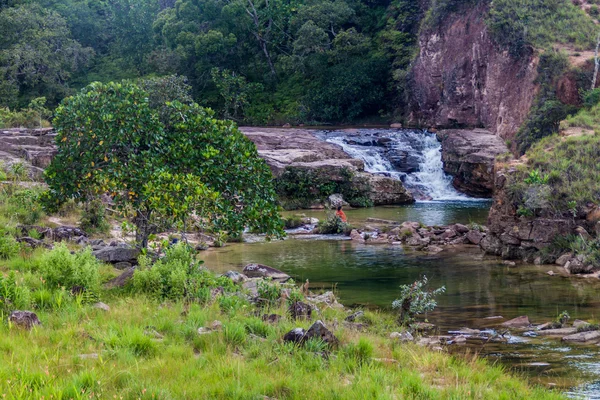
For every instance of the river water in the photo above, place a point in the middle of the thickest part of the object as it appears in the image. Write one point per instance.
(477, 286)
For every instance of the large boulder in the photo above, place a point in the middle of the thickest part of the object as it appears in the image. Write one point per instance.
(117, 254)
(264, 271)
(320, 332)
(300, 310)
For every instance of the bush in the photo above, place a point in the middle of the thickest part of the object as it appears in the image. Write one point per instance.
(9, 247)
(178, 275)
(292, 222)
(332, 225)
(93, 218)
(25, 205)
(12, 295)
(77, 272)
(415, 300)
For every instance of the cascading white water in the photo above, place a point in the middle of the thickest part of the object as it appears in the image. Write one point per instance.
(417, 154)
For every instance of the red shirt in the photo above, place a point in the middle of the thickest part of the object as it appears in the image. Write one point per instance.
(342, 215)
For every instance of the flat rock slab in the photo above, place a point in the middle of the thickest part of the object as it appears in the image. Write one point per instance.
(583, 337)
(114, 255)
(263, 271)
(557, 332)
(518, 322)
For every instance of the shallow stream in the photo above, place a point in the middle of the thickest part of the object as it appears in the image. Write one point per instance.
(477, 286)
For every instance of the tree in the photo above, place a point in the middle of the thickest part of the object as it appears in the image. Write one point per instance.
(37, 55)
(111, 141)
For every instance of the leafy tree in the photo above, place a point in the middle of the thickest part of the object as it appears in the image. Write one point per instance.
(235, 90)
(37, 55)
(111, 141)
(415, 299)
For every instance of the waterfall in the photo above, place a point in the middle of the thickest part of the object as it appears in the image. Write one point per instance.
(412, 156)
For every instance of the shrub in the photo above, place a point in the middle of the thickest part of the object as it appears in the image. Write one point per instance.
(9, 247)
(12, 295)
(25, 206)
(93, 218)
(292, 222)
(77, 271)
(415, 300)
(332, 225)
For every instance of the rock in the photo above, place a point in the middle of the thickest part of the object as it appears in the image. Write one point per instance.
(418, 241)
(475, 237)
(537, 261)
(216, 325)
(336, 200)
(24, 319)
(356, 236)
(466, 331)
(583, 337)
(91, 356)
(264, 271)
(300, 310)
(271, 318)
(382, 221)
(235, 277)
(449, 234)
(325, 298)
(294, 336)
(494, 317)
(422, 326)
(579, 230)
(458, 340)
(579, 323)
(121, 280)
(396, 125)
(33, 243)
(287, 125)
(563, 259)
(519, 322)
(551, 273)
(320, 332)
(101, 306)
(428, 341)
(433, 249)
(67, 233)
(402, 336)
(577, 265)
(354, 316)
(557, 332)
(114, 254)
(510, 263)
(123, 265)
(302, 149)
(460, 228)
(204, 331)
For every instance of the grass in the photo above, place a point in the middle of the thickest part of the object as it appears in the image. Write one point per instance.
(146, 348)
(586, 118)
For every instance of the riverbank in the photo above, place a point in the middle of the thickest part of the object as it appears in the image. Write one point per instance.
(132, 346)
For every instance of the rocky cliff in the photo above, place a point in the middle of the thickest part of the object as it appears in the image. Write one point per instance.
(469, 156)
(462, 79)
(34, 147)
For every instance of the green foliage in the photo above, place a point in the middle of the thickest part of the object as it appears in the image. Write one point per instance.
(78, 272)
(133, 154)
(9, 247)
(292, 222)
(235, 91)
(37, 56)
(570, 168)
(13, 295)
(563, 318)
(299, 188)
(520, 24)
(93, 218)
(415, 299)
(547, 111)
(332, 225)
(25, 205)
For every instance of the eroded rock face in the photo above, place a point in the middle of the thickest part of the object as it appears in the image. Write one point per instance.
(35, 147)
(469, 156)
(114, 254)
(461, 78)
(300, 148)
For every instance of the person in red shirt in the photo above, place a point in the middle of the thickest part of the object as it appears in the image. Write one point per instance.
(341, 214)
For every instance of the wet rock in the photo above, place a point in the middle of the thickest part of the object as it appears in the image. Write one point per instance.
(433, 249)
(418, 241)
(429, 341)
(24, 319)
(519, 322)
(562, 260)
(466, 331)
(117, 254)
(449, 234)
(356, 236)
(396, 125)
(294, 336)
(300, 310)
(422, 326)
(402, 336)
(461, 339)
(354, 316)
(557, 332)
(382, 221)
(235, 277)
(271, 318)
(102, 306)
(320, 332)
(583, 337)
(577, 265)
(460, 228)
(494, 317)
(264, 271)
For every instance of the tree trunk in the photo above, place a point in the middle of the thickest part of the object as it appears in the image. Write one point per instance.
(142, 228)
(596, 63)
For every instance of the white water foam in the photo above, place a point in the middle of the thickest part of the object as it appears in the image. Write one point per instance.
(428, 182)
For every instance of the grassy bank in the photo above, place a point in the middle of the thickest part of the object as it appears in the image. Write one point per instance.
(146, 347)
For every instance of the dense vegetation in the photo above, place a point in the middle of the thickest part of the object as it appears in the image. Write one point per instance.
(255, 61)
